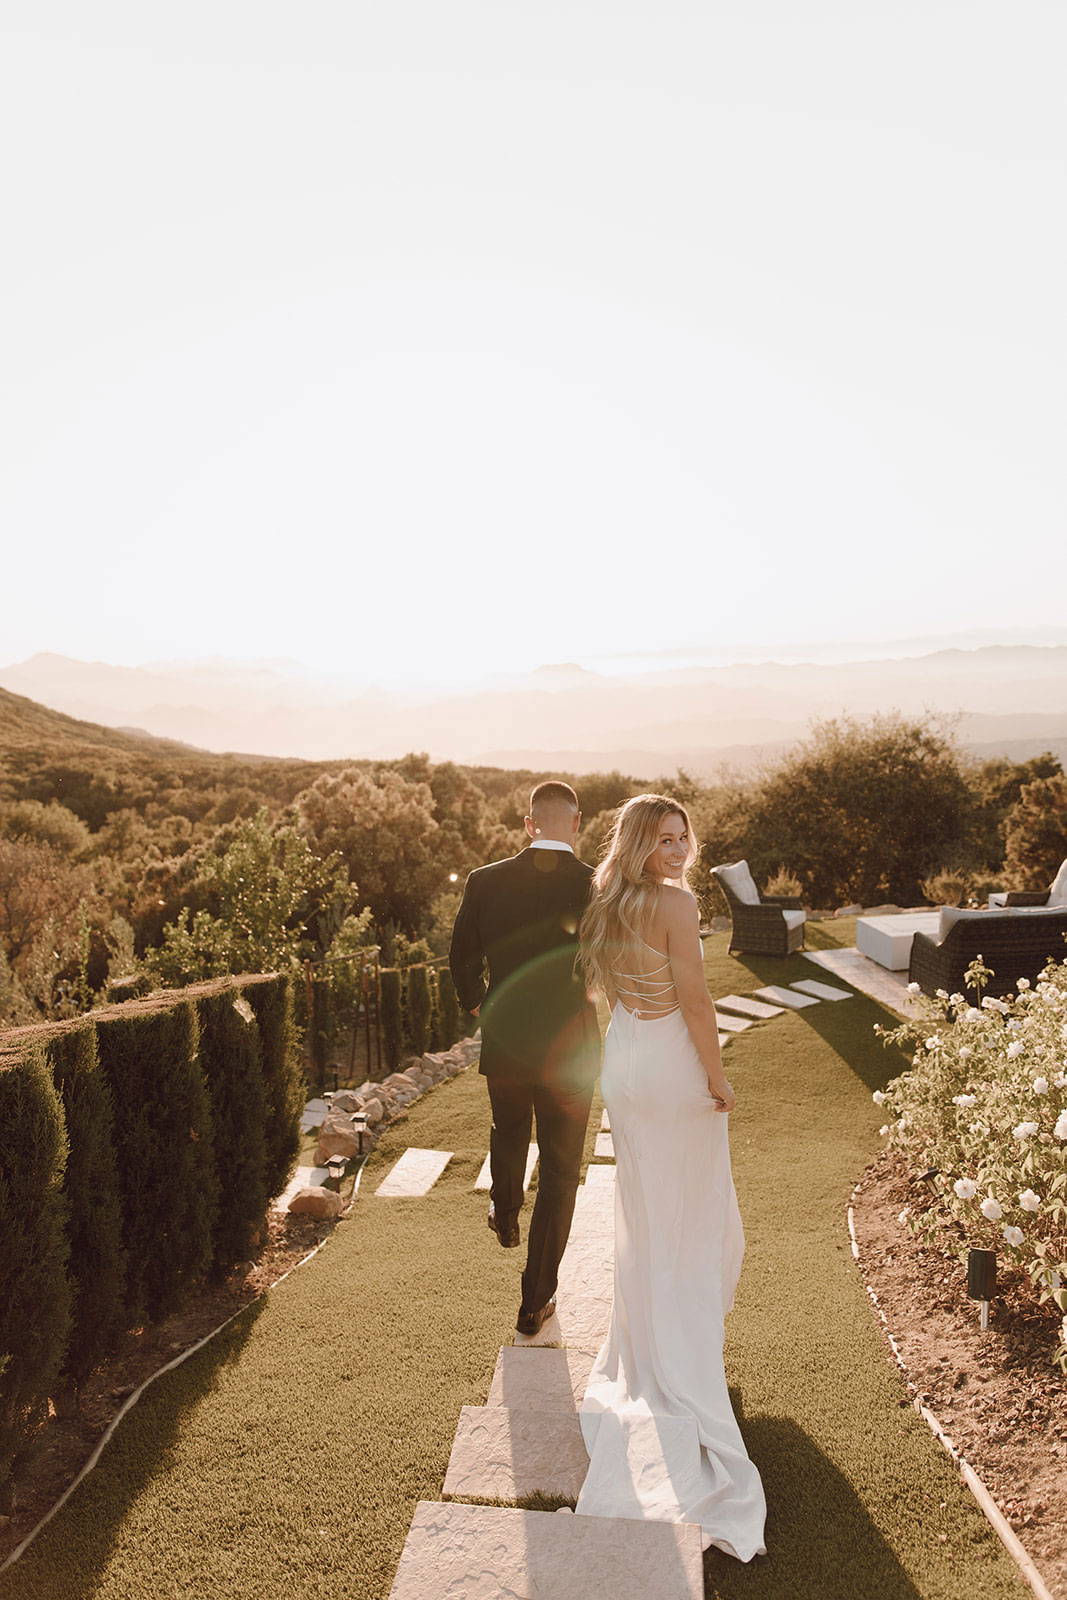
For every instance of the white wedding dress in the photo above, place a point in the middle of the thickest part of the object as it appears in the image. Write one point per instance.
(662, 1438)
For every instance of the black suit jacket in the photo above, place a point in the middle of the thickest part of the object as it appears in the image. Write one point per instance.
(520, 917)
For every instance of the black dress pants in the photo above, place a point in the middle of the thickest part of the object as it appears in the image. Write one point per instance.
(562, 1118)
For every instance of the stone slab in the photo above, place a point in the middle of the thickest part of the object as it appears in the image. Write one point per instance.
(604, 1120)
(786, 997)
(821, 991)
(484, 1180)
(878, 983)
(599, 1175)
(747, 1006)
(724, 1039)
(415, 1173)
(728, 1024)
(303, 1178)
(604, 1147)
(460, 1552)
(539, 1379)
(501, 1454)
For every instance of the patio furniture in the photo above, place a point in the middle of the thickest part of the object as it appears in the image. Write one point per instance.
(887, 940)
(1015, 942)
(761, 924)
(1054, 895)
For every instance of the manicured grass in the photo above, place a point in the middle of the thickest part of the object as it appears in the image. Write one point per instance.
(283, 1462)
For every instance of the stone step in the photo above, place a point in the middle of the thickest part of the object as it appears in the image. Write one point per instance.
(484, 1180)
(599, 1175)
(504, 1454)
(747, 1007)
(303, 1178)
(461, 1552)
(728, 1024)
(604, 1147)
(786, 997)
(539, 1378)
(821, 991)
(604, 1122)
(415, 1173)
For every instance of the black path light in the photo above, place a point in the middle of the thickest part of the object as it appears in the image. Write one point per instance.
(982, 1281)
(336, 1167)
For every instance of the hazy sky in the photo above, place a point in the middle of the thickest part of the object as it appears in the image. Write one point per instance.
(466, 335)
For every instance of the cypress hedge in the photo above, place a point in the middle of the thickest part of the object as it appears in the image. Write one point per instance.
(34, 1292)
(448, 1009)
(148, 1050)
(271, 999)
(97, 1267)
(231, 1062)
(391, 1016)
(418, 1010)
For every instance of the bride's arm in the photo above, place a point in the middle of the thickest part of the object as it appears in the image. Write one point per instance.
(687, 969)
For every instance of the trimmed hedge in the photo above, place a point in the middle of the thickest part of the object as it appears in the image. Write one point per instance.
(392, 1017)
(231, 1060)
(34, 1291)
(419, 1010)
(163, 1140)
(271, 998)
(94, 1213)
(451, 1024)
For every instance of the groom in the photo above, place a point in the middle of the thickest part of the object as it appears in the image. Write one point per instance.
(540, 1043)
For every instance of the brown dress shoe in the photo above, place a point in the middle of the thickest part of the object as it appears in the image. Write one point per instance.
(530, 1322)
(506, 1232)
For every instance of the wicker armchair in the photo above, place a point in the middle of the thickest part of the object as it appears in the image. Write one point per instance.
(759, 926)
(1014, 944)
(1055, 894)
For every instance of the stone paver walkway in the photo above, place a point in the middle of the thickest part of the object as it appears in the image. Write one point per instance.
(415, 1173)
(484, 1180)
(786, 997)
(303, 1178)
(747, 1006)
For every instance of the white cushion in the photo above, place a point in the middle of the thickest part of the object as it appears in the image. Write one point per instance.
(793, 919)
(949, 915)
(741, 882)
(998, 898)
(1057, 895)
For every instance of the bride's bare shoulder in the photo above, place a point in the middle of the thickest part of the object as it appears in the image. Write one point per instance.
(677, 905)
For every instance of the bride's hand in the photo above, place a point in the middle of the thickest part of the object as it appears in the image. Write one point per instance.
(724, 1096)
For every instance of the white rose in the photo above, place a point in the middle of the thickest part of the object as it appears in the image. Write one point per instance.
(992, 1209)
(1026, 1130)
(956, 1000)
(914, 988)
(1041, 1086)
(1060, 1130)
(965, 1052)
(964, 1100)
(941, 994)
(878, 1097)
(1013, 1236)
(903, 1217)
(1023, 983)
(972, 1013)
(1060, 1080)
(1015, 1050)
(1030, 1201)
(933, 1043)
(965, 1188)
(884, 1128)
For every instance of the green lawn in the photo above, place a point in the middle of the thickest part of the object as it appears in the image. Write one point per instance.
(283, 1462)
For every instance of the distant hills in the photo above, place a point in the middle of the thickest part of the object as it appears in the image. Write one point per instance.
(1008, 700)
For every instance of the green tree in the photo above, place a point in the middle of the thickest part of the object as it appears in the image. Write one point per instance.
(862, 810)
(387, 835)
(1036, 833)
(231, 1059)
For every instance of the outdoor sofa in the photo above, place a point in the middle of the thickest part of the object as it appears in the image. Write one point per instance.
(1015, 942)
(760, 924)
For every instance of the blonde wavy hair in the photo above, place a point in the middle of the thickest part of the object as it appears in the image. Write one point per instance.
(624, 896)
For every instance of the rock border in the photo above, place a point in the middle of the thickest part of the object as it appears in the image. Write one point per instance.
(989, 1507)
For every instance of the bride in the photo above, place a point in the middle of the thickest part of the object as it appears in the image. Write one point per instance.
(657, 1421)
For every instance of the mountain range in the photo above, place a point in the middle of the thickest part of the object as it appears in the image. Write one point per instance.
(1005, 699)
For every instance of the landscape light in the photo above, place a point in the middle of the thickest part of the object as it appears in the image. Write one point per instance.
(981, 1281)
(336, 1167)
(358, 1120)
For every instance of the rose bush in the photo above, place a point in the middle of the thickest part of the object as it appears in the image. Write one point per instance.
(982, 1116)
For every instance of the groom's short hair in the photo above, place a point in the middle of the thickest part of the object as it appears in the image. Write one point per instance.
(553, 793)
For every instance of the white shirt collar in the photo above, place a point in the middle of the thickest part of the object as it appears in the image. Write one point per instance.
(550, 844)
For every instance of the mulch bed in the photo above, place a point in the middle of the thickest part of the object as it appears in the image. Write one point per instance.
(996, 1394)
(66, 1441)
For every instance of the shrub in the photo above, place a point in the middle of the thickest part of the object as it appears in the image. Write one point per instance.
(448, 1009)
(148, 1050)
(391, 1017)
(230, 1058)
(1036, 833)
(982, 1113)
(94, 1214)
(417, 1029)
(784, 883)
(948, 887)
(283, 1077)
(34, 1292)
